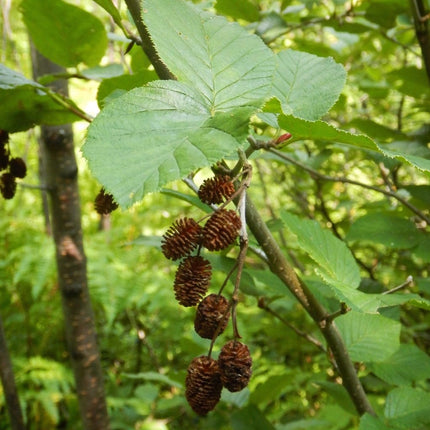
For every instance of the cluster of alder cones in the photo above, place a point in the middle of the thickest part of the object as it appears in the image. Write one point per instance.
(206, 376)
(15, 168)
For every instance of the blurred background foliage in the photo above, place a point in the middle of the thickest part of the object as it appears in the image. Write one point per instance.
(146, 339)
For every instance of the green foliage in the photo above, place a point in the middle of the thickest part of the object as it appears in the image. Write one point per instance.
(25, 103)
(77, 37)
(306, 85)
(279, 68)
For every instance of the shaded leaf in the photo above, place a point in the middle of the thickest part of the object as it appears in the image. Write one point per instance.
(385, 228)
(25, 104)
(238, 9)
(64, 33)
(408, 408)
(250, 418)
(407, 365)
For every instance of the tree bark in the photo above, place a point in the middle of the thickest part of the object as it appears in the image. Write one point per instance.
(9, 387)
(58, 152)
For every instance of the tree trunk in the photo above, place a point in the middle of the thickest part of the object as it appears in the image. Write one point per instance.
(9, 387)
(58, 152)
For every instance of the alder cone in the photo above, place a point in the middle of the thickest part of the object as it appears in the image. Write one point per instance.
(7, 185)
(203, 384)
(181, 238)
(213, 311)
(192, 280)
(4, 157)
(235, 365)
(217, 189)
(221, 230)
(17, 167)
(104, 203)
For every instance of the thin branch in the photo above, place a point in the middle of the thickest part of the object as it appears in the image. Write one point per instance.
(409, 280)
(420, 15)
(345, 180)
(262, 305)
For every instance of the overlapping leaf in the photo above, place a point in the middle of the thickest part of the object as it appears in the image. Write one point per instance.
(156, 134)
(25, 103)
(161, 132)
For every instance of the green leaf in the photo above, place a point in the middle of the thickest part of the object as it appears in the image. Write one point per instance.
(369, 422)
(110, 8)
(64, 33)
(408, 408)
(385, 228)
(416, 154)
(339, 394)
(250, 418)
(191, 199)
(154, 377)
(226, 64)
(407, 365)
(306, 85)
(389, 8)
(24, 104)
(238, 9)
(156, 134)
(319, 130)
(336, 265)
(103, 72)
(369, 337)
(114, 87)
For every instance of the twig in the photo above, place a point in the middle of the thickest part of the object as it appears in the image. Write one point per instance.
(35, 187)
(342, 311)
(262, 305)
(345, 180)
(409, 280)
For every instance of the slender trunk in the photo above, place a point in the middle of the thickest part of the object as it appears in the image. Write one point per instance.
(61, 180)
(9, 387)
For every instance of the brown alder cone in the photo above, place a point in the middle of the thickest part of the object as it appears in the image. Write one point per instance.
(213, 311)
(104, 203)
(4, 157)
(17, 167)
(181, 238)
(203, 385)
(235, 364)
(192, 280)
(221, 230)
(216, 190)
(7, 185)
